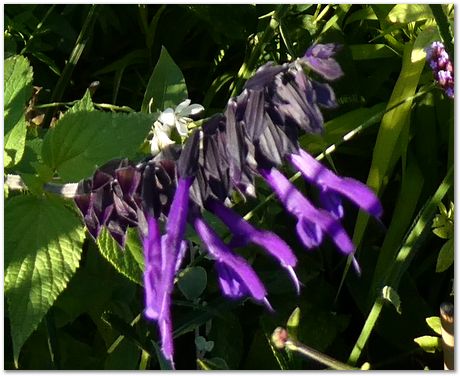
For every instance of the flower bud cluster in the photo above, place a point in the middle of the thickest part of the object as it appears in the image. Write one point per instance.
(442, 67)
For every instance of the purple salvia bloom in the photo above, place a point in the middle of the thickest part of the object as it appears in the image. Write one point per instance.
(312, 222)
(245, 233)
(167, 253)
(236, 276)
(319, 59)
(319, 175)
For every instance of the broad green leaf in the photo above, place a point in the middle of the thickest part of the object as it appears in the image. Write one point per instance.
(425, 37)
(371, 51)
(128, 261)
(391, 295)
(82, 141)
(43, 241)
(446, 256)
(405, 13)
(192, 282)
(17, 91)
(166, 87)
(434, 323)
(391, 127)
(429, 343)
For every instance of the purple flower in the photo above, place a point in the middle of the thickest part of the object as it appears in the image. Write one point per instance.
(319, 59)
(442, 67)
(244, 233)
(236, 276)
(331, 185)
(311, 221)
(162, 258)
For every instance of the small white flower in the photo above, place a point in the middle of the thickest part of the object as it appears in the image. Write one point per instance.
(160, 138)
(180, 116)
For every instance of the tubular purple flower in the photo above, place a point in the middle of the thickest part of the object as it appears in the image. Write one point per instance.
(167, 252)
(236, 276)
(312, 222)
(245, 233)
(441, 66)
(354, 190)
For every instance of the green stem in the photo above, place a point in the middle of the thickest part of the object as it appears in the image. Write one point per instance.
(53, 344)
(443, 25)
(316, 355)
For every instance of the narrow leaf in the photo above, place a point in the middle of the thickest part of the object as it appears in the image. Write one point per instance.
(429, 343)
(446, 256)
(390, 295)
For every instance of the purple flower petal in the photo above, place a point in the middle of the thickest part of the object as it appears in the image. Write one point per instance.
(245, 233)
(301, 207)
(319, 58)
(129, 179)
(325, 96)
(332, 202)
(162, 257)
(152, 259)
(356, 191)
(238, 265)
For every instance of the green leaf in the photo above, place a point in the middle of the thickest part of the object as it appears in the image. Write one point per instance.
(84, 104)
(17, 90)
(192, 282)
(128, 261)
(371, 51)
(293, 323)
(82, 141)
(203, 345)
(405, 13)
(391, 295)
(434, 323)
(391, 127)
(212, 364)
(43, 241)
(338, 128)
(446, 256)
(166, 85)
(429, 344)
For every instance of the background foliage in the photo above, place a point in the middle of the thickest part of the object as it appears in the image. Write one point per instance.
(72, 303)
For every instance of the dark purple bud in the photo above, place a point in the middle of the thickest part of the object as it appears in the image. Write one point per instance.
(319, 59)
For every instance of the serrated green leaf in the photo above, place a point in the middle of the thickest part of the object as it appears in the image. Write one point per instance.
(43, 241)
(84, 104)
(446, 256)
(82, 141)
(192, 282)
(428, 343)
(124, 261)
(434, 322)
(391, 295)
(17, 90)
(405, 13)
(166, 85)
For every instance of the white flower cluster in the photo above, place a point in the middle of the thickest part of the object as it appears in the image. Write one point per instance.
(170, 119)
